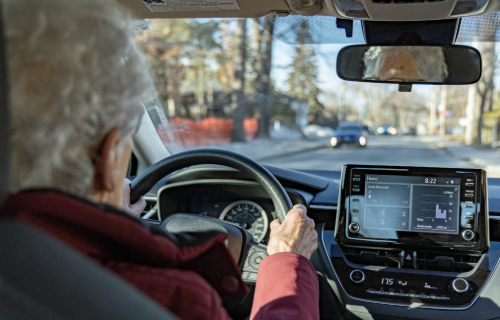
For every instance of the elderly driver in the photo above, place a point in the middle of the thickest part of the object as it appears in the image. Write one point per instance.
(405, 64)
(76, 83)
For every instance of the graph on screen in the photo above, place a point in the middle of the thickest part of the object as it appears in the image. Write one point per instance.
(440, 214)
(435, 208)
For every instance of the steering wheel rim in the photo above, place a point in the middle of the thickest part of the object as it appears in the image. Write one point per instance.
(147, 179)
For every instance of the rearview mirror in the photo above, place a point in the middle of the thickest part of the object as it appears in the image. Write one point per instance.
(410, 64)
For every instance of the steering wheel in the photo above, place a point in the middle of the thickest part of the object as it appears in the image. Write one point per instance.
(246, 253)
(147, 179)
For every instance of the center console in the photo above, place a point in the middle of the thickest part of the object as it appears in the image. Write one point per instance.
(412, 235)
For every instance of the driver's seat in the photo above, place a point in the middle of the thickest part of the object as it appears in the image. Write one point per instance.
(41, 278)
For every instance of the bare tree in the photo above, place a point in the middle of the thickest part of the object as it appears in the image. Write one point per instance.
(238, 85)
(376, 96)
(265, 76)
(485, 86)
(481, 95)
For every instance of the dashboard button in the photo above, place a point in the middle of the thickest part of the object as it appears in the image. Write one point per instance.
(355, 210)
(460, 285)
(468, 235)
(356, 179)
(409, 259)
(357, 276)
(354, 227)
(470, 195)
(355, 189)
(469, 184)
(469, 206)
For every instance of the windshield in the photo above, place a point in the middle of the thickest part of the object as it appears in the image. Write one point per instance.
(268, 88)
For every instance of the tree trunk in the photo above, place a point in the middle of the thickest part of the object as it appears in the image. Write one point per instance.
(485, 85)
(201, 91)
(257, 39)
(471, 128)
(265, 77)
(238, 85)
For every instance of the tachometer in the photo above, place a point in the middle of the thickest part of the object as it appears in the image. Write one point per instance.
(249, 216)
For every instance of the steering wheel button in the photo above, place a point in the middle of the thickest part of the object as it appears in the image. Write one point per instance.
(256, 258)
(252, 276)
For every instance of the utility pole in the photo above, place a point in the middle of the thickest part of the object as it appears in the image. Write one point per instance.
(433, 108)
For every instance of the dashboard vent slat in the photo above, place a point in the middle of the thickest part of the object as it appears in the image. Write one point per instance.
(425, 260)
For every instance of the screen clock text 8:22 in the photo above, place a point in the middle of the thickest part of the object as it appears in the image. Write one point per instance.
(430, 180)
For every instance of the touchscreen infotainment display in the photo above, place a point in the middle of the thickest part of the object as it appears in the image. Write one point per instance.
(417, 206)
(412, 203)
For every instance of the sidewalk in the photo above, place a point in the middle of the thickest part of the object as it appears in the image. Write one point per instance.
(267, 149)
(487, 159)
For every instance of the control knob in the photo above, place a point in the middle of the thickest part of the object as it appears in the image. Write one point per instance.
(357, 276)
(460, 285)
(468, 235)
(354, 227)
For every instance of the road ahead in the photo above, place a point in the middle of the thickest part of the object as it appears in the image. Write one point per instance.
(381, 150)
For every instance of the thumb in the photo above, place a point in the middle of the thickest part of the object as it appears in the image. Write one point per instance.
(275, 224)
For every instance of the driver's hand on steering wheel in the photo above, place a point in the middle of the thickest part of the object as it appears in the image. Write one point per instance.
(134, 209)
(296, 234)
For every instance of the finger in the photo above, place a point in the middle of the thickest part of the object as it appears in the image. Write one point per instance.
(301, 207)
(275, 224)
(296, 214)
(126, 185)
(137, 208)
(310, 223)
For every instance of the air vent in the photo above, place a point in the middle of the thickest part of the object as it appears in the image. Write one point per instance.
(425, 260)
(151, 210)
(446, 262)
(382, 258)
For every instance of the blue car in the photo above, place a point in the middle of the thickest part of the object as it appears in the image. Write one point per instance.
(349, 133)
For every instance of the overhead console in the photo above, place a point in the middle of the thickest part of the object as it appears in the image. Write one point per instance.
(412, 235)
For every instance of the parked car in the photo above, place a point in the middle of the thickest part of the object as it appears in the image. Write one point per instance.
(349, 133)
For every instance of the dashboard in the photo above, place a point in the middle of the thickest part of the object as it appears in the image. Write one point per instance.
(243, 203)
(392, 244)
(411, 235)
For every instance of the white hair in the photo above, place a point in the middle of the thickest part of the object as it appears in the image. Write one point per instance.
(74, 74)
(431, 61)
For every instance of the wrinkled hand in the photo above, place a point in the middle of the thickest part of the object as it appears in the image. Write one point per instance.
(136, 208)
(296, 234)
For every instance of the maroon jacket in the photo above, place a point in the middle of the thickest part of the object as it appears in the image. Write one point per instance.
(188, 274)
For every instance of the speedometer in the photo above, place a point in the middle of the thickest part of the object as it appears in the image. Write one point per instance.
(248, 215)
